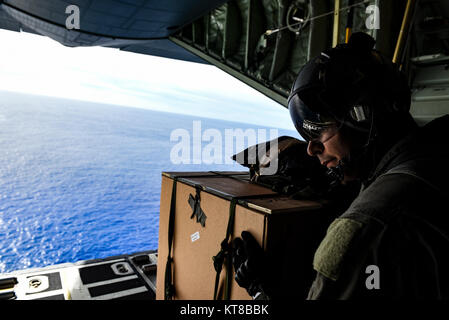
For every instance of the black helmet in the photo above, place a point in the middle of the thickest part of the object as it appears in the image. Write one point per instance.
(350, 85)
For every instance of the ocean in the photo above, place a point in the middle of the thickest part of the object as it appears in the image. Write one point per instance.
(81, 180)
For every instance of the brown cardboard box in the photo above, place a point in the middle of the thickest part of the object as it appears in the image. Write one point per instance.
(289, 231)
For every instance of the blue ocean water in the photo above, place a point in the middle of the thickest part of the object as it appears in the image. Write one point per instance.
(81, 180)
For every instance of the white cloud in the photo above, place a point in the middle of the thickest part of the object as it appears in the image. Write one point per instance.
(39, 65)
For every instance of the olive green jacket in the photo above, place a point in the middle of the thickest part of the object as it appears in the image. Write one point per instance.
(393, 241)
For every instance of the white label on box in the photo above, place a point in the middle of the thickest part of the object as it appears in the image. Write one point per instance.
(195, 236)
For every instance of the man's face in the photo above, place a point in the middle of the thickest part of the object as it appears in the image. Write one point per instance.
(330, 148)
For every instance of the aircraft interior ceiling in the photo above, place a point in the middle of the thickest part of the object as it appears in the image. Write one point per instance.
(263, 43)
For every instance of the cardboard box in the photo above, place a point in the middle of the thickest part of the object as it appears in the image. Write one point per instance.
(289, 231)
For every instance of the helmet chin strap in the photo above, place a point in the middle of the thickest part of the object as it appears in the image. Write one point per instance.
(337, 173)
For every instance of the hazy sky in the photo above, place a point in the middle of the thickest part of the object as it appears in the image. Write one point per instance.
(39, 65)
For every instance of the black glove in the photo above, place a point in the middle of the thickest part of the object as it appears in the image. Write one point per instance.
(250, 266)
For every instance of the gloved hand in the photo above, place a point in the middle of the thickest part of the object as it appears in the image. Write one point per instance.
(251, 267)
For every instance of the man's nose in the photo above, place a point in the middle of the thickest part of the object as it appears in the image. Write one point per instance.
(314, 148)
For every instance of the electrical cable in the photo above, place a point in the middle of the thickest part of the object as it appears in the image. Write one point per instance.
(270, 32)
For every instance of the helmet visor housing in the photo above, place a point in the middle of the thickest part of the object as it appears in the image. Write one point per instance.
(312, 126)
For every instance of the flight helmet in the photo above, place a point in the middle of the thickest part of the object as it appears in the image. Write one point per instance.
(351, 85)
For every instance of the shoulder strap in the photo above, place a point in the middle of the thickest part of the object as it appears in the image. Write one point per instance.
(225, 255)
(412, 173)
(169, 286)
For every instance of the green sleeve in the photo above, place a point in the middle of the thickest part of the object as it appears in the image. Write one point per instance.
(331, 253)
